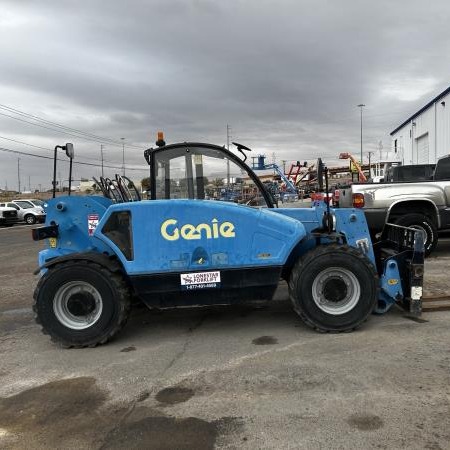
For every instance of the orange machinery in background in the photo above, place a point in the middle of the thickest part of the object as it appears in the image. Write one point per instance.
(356, 164)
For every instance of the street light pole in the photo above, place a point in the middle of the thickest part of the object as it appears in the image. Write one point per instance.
(123, 155)
(360, 106)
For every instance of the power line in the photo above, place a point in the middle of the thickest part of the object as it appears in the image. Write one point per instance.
(49, 128)
(45, 148)
(54, 126)
(64, 127)
(17, 152)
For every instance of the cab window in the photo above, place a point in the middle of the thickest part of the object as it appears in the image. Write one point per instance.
(118, 229)
(203, 173)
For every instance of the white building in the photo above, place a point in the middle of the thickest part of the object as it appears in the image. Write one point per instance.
(425, 136)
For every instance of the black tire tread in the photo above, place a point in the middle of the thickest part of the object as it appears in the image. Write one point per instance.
(33, 221)
(115, 277)
(305, 260)
(409, 219)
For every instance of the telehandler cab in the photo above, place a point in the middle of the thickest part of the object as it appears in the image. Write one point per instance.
(184, 247)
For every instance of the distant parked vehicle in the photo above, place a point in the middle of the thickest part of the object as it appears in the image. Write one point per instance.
(36, 202)
(27, 211)
(8, 216)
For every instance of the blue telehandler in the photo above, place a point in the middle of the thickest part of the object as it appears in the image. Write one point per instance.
(176, 249)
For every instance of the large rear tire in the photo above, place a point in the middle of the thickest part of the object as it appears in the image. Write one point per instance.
(81, 303)
(424, 223)
(334, 288)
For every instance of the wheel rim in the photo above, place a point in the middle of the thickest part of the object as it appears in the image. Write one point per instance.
(336, 290)
(30, 220)
(77, 305)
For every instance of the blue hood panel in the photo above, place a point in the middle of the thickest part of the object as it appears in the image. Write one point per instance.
(179, 235)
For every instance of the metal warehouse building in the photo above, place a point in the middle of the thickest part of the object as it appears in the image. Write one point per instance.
(425, 136)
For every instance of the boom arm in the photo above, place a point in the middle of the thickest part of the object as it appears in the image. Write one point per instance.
(362, 177)
(289, 185)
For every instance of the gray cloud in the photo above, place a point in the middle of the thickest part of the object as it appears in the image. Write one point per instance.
(287, 76)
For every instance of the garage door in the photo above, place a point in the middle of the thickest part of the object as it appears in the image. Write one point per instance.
(422, 149)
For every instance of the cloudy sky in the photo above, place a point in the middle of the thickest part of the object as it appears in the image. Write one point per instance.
(285, 75)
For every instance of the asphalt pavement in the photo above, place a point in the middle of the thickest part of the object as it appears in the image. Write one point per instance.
(236, 378)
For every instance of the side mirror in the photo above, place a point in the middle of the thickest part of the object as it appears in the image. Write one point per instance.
(69, 150)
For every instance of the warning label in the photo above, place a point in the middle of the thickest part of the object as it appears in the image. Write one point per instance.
(93, 220)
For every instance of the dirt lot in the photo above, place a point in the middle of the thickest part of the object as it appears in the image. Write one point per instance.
(242, 377)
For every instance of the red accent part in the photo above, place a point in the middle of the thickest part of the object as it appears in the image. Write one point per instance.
(358, 200)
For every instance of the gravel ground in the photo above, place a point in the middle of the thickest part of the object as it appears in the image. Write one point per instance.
(242, 377)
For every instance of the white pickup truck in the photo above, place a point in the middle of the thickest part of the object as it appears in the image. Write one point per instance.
(29, 211)
(419, 204)
(8, 216)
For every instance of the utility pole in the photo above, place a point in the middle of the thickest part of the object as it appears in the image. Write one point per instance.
(101, 154)
(123, 155)
(361, 106)
(228, 148)
(370, 167)
(380, 149)
(18, 173)
(29, 183)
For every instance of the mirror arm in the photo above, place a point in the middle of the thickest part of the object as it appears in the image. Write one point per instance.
(68, 148)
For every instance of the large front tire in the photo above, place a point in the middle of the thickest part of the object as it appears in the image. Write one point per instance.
(334, 288)
(81, 303)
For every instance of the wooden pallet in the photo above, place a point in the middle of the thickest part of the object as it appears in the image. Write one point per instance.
(436, 303)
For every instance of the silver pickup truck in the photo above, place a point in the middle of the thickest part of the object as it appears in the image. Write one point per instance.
(424, 204)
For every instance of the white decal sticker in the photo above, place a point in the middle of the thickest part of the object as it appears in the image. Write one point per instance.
(200, 280)
(93, 220)
(416, 292)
